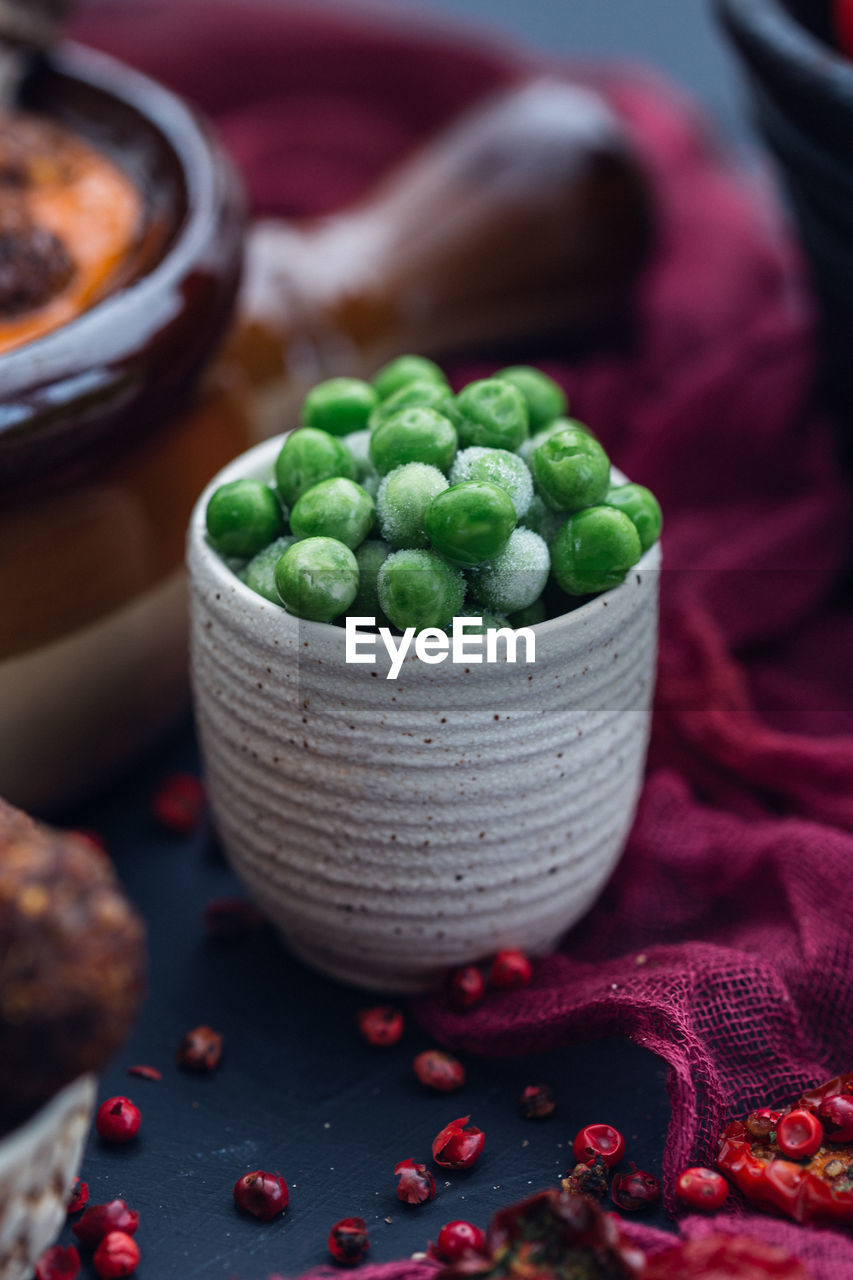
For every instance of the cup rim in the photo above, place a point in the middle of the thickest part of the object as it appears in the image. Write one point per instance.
(259, 460)
(15, 1146)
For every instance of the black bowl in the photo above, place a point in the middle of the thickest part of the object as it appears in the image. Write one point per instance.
(802, 88)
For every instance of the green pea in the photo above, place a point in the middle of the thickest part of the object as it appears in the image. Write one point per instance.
(415, 395)
(470, 522)
(339, 406)
(497, 466)
(336, 508)
(641, 506)
(259, 573)
(405, 369)
(529, 617)
(242, 517)
(594, 550)
(516, 576)
(545, 398)
(554, 428)
(307, 457)
(401, 503)
(370, 557)
(413, 435)
(493, 414)
(317, 579)
(571, 470)
(418, 589)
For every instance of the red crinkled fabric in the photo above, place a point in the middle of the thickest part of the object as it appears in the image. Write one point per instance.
(723, 941)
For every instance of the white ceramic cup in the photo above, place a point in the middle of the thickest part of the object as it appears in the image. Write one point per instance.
(395, 828)
(38, 1163)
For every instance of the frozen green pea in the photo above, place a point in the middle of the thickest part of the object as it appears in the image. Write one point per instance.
(336, 508)
(339, 406)
(259, 573)
(401, 503)
(415, 395)
(317, 579)
(529, 617)
(640, 505)
(594, 550)
(491, 413)
(571, 470)
(307, 457)
(545, 398)
(554, 428)
(541, 519)
(370, 557)
(404, 370)
(515, 577)
(419, 589)
(497, 466)
(413, 435)
(242, 517)
(470, 522)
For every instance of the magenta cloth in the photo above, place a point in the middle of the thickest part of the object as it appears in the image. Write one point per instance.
(723, 941)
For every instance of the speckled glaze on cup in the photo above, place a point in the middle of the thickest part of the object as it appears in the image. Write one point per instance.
(38, 1164)
(394, 828)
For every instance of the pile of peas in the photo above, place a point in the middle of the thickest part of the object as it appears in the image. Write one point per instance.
(397, 499)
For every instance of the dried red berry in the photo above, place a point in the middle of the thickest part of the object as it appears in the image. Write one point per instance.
(178, 803)
(457, 1147)
(381, 1025)
(587, 1179)
(599, 1140)
(101, 1219)
(799, 1134)
(264, 1195)
(348, 1242)
(439, 1070)
(229, 919)
(536, 1102)
(416, 1185)
(117, 1120)
(467, 987)
(455, 1239)
(635, 1190)
(200, 1050)
(836, 1116)
(79, 1197)
(702, 1188)
(760, 1124)
(61, 1262)
(117, 1255)
(144, 1072)
(510, 968)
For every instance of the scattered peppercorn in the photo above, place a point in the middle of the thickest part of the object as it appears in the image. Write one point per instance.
(264, 1195)
(702, 1188)
(178, 803)
(416, 1185)
(348, 1242)
(799, 1134)
(439, 1070)
(467, 987)
(200, 1050)
(144, 1072)
(101, 1219)
(635, 1190)
(536, 1102)
(117, 1120)
(836, 1116)
(587, 1179)
(458, 1147)
(117, 1255)
(458, 1238)
(60, 1262)
(79, 1197)
(599, 1140)
(511, 968)
(230, 919)
(381, 1025)
(760, 1124)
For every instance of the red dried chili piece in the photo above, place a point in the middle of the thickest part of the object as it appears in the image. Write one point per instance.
(178, 803)
(60, 1262)
(348, 1242)
(264, 1195)
(229, 919)
(117, 1255)
(458, 1147)
(416, 1185)
(719, 1257)
(635, 1190)
(381, 1026)
(101, 1219)
(117, 1120)
(467, 987)
(144, 1072)
(200, 1050)
(537, 1102)
(79, 1197)
(438, 1070)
